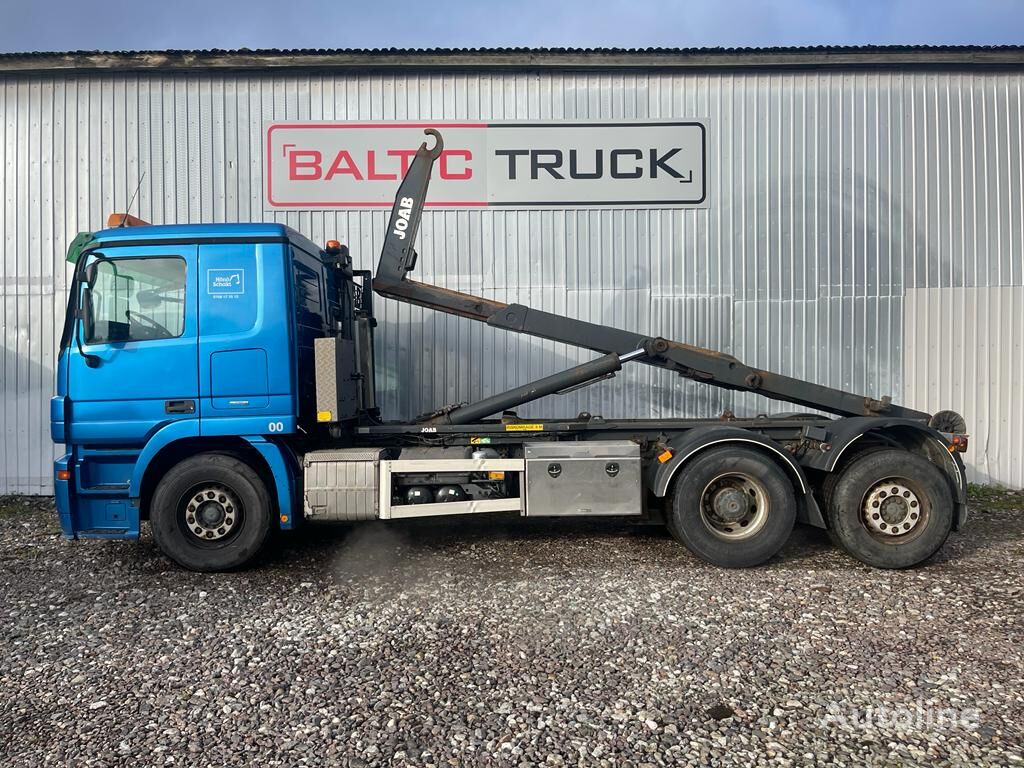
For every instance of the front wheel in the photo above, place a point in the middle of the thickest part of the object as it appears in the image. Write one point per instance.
(733, 507)
(210, 512)
(890, 509)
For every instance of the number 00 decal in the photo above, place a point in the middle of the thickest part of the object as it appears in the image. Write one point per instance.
(275, 426)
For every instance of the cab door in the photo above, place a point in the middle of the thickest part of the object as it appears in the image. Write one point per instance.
(245, 349)
(140, 367)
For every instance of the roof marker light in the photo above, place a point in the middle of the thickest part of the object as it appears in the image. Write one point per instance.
(125, 220)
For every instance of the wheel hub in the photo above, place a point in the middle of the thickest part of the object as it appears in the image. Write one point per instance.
(892, 509)
(730, 504)
(734, 506)
(212, 512)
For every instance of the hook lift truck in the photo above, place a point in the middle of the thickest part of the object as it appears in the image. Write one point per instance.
(218, 380)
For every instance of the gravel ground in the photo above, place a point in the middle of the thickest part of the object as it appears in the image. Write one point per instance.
(486, 641)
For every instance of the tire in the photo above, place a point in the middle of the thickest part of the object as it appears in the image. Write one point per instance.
(884, 529)
(211, 512)
(707, 513)
(828, 487)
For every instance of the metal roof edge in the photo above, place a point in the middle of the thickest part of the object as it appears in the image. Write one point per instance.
(518, 58)
(196, 230)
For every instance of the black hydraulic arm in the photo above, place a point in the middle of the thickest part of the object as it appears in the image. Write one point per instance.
(715, 368)
(398, 256)
(564, 381)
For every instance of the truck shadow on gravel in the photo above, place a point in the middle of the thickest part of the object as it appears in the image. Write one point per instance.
(498, 546)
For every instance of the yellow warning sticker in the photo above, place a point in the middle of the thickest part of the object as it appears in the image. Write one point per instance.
(524, 427)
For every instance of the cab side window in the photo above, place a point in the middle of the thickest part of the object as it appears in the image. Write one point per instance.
(136, 300)
(309, 308)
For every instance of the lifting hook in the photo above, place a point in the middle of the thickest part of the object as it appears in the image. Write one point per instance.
(435, 151)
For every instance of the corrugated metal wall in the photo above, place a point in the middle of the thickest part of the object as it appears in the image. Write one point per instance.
(982, 328)
(832, 194)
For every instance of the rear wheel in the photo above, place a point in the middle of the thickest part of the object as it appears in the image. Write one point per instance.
(890, 509)
(733, 507)
(210, 512)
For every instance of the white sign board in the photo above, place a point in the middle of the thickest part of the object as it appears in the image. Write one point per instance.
(359, 165)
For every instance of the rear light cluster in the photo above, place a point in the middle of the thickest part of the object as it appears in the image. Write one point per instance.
(958, 444)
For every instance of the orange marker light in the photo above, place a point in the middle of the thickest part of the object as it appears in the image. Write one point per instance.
(284, 518)
(333, 246)
(664, 456)
(125, 220)
(63, 474)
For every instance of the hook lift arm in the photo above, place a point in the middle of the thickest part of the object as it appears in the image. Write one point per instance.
(398, 258)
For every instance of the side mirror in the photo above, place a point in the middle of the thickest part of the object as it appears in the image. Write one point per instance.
(90, 274)
(85, 314)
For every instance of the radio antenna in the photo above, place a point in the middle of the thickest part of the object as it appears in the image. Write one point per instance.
(124, 219)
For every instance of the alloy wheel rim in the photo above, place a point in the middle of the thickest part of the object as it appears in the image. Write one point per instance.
(892, 509)
(734, 506)
(211, 512)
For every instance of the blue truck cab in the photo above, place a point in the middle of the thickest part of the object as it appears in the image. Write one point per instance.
(180, 340)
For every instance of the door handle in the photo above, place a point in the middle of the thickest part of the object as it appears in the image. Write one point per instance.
(179, 406)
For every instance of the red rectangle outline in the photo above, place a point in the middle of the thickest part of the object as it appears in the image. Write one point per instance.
(354, 203)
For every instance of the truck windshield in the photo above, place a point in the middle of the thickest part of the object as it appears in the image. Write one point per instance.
(137, 300)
